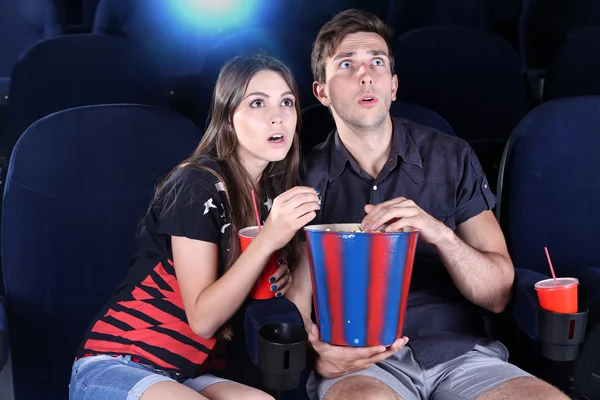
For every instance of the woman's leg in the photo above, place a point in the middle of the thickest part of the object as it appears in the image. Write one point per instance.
(215, 388)
(171, 390)
(118, 378)
(233, 390)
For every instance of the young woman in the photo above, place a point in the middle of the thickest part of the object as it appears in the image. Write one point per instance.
(158, 336)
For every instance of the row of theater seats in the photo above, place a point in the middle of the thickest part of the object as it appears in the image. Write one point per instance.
(80, 179)
(470, 78)
(536, 28)
(178, 35)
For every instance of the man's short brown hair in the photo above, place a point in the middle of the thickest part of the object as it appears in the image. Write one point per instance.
(342, 24)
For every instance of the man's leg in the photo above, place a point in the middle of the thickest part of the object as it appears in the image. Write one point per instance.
(360, 388)
(485, 374)
(524, 388)
(397, 378)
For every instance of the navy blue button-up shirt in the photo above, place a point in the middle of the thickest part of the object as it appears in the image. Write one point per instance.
(442, 175)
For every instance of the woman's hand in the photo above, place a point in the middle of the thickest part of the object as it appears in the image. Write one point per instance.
(282, 279)
(290, 212)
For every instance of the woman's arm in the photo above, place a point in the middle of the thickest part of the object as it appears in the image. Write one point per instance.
(210, 302)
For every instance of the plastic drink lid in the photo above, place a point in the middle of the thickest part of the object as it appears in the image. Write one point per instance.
(561, 283)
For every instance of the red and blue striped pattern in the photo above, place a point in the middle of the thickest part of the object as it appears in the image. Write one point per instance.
(360, 283)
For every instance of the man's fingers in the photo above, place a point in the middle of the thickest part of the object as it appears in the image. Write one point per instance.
(402, 223)
(397, 345)
(367, 352)
(373, 222)
(349, 354)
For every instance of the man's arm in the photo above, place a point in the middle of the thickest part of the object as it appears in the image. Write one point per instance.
(476, 255)
(478, 262)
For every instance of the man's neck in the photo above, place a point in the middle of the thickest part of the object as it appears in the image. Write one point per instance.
(370, 148)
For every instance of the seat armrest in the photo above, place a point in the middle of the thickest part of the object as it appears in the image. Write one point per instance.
(262, 312)
(524, 305)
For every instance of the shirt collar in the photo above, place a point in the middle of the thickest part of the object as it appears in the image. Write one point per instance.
(402, 146)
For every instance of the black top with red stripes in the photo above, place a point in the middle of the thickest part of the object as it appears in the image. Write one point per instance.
(145, 317)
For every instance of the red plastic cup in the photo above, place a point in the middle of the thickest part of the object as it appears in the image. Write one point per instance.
(560, 297)
(262, 288)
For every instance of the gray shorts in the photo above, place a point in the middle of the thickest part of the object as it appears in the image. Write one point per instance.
(465, 377)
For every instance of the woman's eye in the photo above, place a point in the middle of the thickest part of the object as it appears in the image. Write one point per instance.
(257, 103)
(287, 103)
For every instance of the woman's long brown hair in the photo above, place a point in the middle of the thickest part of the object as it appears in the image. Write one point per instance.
(219, 143)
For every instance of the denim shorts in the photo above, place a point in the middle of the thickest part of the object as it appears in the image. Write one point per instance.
(106, 377)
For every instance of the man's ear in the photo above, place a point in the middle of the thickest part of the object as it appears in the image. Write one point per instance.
(394, 86)
(320, 92)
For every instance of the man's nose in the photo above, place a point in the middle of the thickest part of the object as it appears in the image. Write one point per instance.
(365, 76)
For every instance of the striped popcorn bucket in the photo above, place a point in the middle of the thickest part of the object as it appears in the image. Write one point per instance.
(360, 282)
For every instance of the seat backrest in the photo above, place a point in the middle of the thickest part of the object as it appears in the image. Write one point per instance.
(77, 70)
(175, 33)
(544, 25)
(549, 188)
(317, 122)
(574, 70)
(78, 184)
(472, 79)
(405, 15)
(22, 23)
(276, 42)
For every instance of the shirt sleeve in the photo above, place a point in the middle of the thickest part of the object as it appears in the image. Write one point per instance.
(189, 205)
(474, 194)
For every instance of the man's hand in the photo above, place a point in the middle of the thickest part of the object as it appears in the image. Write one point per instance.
(401, 213)
(336, 361)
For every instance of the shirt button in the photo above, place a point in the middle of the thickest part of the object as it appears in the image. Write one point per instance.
(485, 185)
(375, 187)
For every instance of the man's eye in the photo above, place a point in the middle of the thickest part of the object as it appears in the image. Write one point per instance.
(345, 64)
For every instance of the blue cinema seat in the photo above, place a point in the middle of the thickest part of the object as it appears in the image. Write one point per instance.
(574, 70)
(549, 193)
(77, 70)
(78, 184)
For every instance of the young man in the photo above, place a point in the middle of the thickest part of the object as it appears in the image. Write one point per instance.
(390, 172)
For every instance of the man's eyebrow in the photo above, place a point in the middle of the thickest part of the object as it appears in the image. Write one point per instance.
(378, 53)
(353, 53)
(344, 55)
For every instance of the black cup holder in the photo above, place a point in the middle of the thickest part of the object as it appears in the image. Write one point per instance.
(561, 334)
(281, 355)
